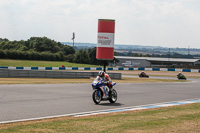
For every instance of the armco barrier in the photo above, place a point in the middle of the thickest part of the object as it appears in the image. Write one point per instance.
(100, 68)
(9, 73)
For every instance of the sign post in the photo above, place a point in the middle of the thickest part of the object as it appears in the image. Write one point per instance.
(105, 44)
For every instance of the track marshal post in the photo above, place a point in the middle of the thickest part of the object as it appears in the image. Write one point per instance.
(105, 38)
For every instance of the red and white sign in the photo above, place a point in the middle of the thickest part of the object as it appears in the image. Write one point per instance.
(105, 45)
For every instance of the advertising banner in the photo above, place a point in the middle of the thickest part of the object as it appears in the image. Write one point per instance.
(105, 44)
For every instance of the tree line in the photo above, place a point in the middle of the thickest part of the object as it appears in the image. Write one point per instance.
(43, 48)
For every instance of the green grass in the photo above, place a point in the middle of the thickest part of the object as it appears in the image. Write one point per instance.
(33, 63)
(184, 119)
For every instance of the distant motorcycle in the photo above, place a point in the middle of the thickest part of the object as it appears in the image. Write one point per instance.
(181, 76)
(101, 91)
(143, 75)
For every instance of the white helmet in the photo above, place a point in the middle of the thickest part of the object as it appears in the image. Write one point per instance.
(101, 73)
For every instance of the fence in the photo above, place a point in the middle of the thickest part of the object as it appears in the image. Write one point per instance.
(9, 73)
(100, 68)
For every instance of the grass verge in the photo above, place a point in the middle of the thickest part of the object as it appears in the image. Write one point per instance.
(183, 119)
(60, 81)
(33, 63)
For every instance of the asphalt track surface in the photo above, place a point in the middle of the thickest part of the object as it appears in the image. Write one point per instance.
(41, 100)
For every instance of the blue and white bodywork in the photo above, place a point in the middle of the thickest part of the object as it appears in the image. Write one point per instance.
(102, 91)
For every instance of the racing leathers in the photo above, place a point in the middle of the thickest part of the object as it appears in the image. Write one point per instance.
(107, 78)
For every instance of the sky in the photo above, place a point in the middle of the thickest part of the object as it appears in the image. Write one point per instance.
(167, 23)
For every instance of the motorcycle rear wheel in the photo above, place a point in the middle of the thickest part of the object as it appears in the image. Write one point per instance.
(113, 96)
(96, 97)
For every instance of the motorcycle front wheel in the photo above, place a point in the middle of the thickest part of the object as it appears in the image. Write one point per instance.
(96, 96)
(113, 96)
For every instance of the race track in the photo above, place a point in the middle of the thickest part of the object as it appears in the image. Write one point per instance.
(40, 100)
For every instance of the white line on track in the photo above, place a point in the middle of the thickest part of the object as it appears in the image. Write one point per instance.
(185, 82)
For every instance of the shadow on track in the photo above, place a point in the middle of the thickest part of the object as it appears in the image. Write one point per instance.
(110, 104)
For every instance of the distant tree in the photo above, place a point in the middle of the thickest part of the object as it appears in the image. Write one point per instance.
(5, 39)
(68, 50)
(81, 57)
(130, 53)
(92, 56)
(146, 55)
(23, 48)
(6, 46)
(43, 44)
(136, 55)
(43, 48)
(116, 54)
(2, 54)
(69, 58)
(60, 56)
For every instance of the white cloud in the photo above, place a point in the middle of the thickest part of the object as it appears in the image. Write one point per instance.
(173, 23)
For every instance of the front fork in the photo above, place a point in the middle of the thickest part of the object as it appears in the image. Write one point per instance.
(105, 91)
(98, 93)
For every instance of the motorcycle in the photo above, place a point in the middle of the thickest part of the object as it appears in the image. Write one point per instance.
(181, 76)
(141, 75)
(102, 92)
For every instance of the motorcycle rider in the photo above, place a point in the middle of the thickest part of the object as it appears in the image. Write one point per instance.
(180, 74)
(142, 73)
(106, 78)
